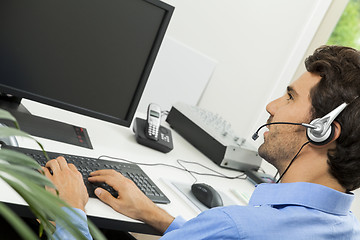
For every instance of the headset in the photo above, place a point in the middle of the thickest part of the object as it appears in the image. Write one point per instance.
(320, 131)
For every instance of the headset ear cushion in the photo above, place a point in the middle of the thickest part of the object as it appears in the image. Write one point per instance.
(331, 136)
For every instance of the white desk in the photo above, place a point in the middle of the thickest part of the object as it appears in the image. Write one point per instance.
(113, 140)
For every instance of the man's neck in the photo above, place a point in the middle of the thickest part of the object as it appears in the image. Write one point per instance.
(312, 166)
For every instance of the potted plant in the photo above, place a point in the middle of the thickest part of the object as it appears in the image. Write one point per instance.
(17, 170)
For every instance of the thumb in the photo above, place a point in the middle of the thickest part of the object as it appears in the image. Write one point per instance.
(105, 196)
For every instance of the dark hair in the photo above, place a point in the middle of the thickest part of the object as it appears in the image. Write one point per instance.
(339, 69)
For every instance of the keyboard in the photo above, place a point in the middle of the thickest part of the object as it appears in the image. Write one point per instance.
(86, 165)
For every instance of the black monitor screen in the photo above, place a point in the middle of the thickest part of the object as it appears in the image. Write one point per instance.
(88, 56)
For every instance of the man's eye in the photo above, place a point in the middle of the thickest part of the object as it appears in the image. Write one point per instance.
(290, 97)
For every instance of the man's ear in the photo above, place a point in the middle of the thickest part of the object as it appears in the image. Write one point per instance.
(337, 131)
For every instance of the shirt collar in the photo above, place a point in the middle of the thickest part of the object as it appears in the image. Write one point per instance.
(304, 194)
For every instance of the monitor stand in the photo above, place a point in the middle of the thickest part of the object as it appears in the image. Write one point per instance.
(43, 127)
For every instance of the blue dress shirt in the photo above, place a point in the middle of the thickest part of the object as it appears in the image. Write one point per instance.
(79, 220)
(276, 211)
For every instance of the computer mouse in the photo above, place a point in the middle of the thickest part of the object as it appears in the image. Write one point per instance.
(207, 195)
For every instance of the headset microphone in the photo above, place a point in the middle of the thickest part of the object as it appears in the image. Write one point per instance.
(256, 134)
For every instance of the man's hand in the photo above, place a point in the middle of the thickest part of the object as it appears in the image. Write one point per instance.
(69, 182)
(131, 201)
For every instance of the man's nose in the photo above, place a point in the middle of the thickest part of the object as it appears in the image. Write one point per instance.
(272, 107)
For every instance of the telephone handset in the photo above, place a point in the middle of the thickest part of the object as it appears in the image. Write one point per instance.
(153, 122)
(150, 133)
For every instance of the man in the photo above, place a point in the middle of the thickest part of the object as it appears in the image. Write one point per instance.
(313, 199)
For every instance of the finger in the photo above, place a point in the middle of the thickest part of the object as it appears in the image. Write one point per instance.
(47, 172)
(48, 175)
(53, 165)
(104, 172)
(41, 170)
(72, 167)
(98, 178)
(105, 196)
(101, 172)
(51, 190)
(108, 179)
(62, 162)
(113, 181)
(118, 183)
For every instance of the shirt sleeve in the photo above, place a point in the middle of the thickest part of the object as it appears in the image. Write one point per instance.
(79, 221)
(210, 224)
(177, 223)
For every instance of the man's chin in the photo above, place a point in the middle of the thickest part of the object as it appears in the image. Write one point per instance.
(262, 150)
(265, 152)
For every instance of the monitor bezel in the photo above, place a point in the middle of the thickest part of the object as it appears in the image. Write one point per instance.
(126, 122)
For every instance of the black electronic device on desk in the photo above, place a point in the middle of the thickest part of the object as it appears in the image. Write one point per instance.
(259, 177)
(86, 165)
(150, 133)
(211, 135)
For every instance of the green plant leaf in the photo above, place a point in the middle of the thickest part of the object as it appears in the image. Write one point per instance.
(18, 158)
(22, 228)
(24, 174)
(9, 132)
(95, 232)
(7, 116)
(50, 207)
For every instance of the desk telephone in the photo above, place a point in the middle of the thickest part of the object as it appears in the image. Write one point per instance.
(150, 133)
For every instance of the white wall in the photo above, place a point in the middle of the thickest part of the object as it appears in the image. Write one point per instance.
(258, 46)
(324, 31)
(179, 74)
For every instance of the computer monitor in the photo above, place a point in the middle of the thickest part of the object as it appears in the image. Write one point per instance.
(87, 56)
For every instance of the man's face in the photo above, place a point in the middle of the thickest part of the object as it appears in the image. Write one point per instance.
(281, 142)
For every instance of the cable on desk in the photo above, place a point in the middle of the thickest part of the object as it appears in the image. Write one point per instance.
(241, 176)
(218, 174)
(179, 162)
